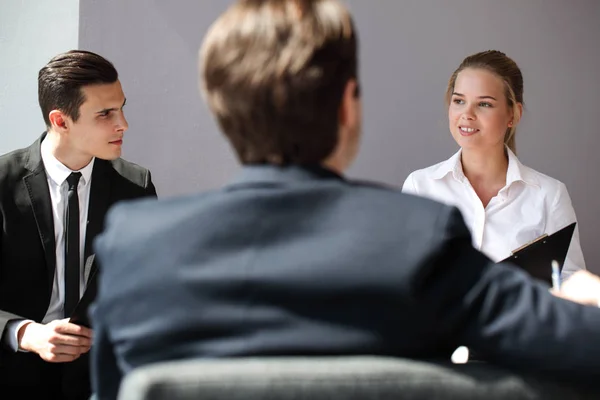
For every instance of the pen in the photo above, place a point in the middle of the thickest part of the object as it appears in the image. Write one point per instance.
(555, 275)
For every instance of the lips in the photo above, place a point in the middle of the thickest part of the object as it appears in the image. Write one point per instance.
(467, 130)
(119, 142)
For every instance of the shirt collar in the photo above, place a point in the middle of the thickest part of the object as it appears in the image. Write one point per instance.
(516, 171)
(57, 171)
(451, 165)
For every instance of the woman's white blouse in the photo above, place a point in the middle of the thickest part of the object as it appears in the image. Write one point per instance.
(530, 205)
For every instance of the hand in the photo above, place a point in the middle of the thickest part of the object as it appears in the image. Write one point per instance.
(582, 287)
(56, 341)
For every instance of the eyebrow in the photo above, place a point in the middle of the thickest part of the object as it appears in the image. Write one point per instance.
(481, 97)
(106, 110)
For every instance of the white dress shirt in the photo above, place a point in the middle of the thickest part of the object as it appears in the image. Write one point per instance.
(56, 174)
(529, 205)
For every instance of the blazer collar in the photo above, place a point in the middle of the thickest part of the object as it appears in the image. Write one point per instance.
(99, 201)
(34, 161)
(273, 174)
(35, 185)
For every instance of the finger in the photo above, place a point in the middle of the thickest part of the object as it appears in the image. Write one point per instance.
(84, 349)
(590, 302)
(73, 329)
(64, 350)
(59, 339)
(59, 358)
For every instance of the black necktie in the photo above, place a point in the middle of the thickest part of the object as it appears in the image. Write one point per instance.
(72, 246)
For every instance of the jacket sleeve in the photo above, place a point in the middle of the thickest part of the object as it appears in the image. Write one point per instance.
(105, 373)
(503, 314)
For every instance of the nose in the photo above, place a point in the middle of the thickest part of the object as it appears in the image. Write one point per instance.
(122, 124)
(468, 114)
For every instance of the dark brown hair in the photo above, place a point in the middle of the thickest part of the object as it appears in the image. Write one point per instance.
(60, 81)
(274, 72)
(506, 69)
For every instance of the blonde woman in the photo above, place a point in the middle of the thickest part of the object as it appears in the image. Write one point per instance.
(504, 203)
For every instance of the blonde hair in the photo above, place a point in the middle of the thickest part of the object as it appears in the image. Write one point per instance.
(506, 69)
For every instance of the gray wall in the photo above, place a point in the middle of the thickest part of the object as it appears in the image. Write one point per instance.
(408, 51)
(154, 45)
(31, 32)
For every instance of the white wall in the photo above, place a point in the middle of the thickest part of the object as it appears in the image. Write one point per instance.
(31, 32)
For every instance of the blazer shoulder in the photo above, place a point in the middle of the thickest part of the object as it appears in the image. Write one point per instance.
(130, 171)
(13, 164)
(426, 224)
(400, 199)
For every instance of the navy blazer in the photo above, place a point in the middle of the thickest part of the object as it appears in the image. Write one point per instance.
(300, 261)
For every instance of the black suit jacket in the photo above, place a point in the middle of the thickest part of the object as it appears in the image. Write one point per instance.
(27, 241)
(299, 261)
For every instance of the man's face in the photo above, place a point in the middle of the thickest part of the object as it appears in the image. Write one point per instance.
(99, 130)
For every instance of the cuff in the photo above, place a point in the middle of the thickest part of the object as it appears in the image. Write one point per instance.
(13, 333)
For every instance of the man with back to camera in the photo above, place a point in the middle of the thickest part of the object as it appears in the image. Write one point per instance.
(292, 258)
(53, 199)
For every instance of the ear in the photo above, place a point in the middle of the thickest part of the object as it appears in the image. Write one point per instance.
(517, 114)
(348, 111)
(59, 122)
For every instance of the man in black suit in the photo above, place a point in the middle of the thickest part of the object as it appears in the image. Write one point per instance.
(54, 196)
(292, 258)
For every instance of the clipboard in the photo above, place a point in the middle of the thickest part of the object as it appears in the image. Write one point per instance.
(536, 256)
(80, 313)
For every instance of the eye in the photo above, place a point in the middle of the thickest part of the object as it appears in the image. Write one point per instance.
(485, 104)
(458, 101)
(104, 113)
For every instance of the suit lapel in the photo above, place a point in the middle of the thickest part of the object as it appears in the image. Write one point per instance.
(35, 186)
(97, 208)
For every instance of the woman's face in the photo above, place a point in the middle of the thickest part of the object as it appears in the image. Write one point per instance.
(478, 113)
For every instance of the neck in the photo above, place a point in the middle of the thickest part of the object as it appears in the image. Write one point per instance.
(334, 166)
(487, 167)
(64, 154)
(338, 161)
